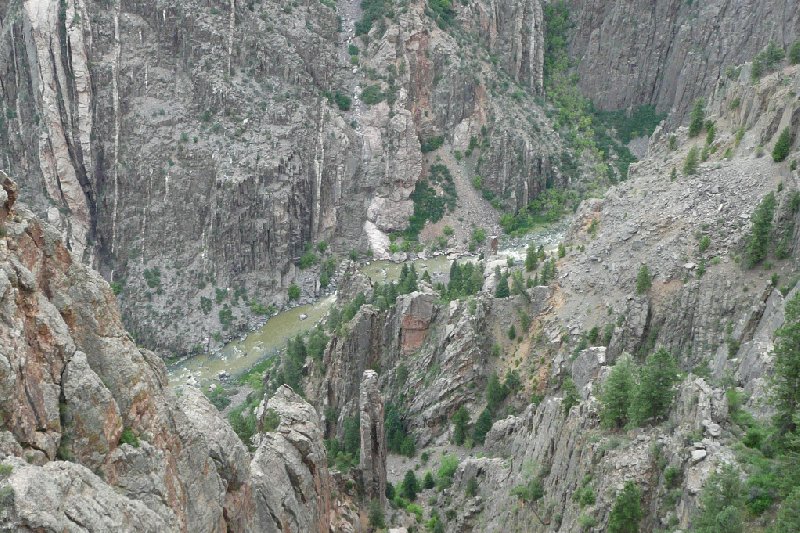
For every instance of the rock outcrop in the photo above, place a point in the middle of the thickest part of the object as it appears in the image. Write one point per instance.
(372, 462)
(290, 481)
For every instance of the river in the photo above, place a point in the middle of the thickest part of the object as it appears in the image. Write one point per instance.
(239, 356)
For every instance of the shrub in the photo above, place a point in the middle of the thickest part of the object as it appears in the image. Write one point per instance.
(129, 437)
(218, 398)
(343, 102)
(627, 511)
(711, 132)
(788, 518)
(372, 95)
(447, 469)
(431, 144)
(720, 503)
(643, 280)
(571, 397)
(697, 118)
(307, 260)
(766, 60)
(530, 492)
(783, 146)
(153, 277)
(294, 292)
(705, 242)
(428, 481)
(673, 142)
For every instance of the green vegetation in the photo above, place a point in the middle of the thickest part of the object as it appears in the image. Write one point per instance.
(794, 53)
(308, 259)
(655, 390)
(460, 425)
(218, 398)
(376, 517)
(549, 206)
(430, 205)
(786, 385)
(767, 60)
(447, 469)
(205, 304)
(431, 144)
(641, 121)
(502, 290)
(531, 258)
(616, 394)
(372, 95)
(465, 280)
(225, 316)
(410, 486)
(293, 292)
(342, 101)
(571, 397)
(697, 118)
(692, 162)
(782, 146)
(153, 277)
(441, 11)
(627, 511)
(482, 426)
(373, 11)
(398, 440)
(643, 280)
(704, 243)
(129, 437)
(758, 241)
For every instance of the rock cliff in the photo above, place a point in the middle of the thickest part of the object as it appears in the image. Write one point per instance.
(94, 439)
(191, 151)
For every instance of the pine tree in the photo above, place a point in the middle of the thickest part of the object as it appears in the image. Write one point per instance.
(643, 280)
(502, 290)
(460, 421)
(410, 486)
(482, 426)
(428, 481)
(656, 388)
(531, 259)
(454, 287)
(627, 511)
(495, 392)
(571, 397)
(758, 241)
(782, 146)
(692, 162)
(786, 384)
(616, 395)
(697, 118)
(562, 250)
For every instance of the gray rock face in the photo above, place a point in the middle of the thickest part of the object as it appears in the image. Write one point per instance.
(290, 480)
(372, 462)
(178, 161)
(669, 53)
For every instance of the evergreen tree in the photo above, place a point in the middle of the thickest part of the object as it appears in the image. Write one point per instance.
(571, 397)
(428, 481)
(482, 426)
(495, 392)
(627, 511)
(794, 53)
(721, 503)
(562, 250)
(786, 384)
(782, 146)
(697, 118)
(454, 288)
(656, 389)
(692, 161)
(502, 290)
(460, 421)
(643, 280)
(531, 258)
(352, 435)
(410, 486)
(758, 241)
(616, 395)
(788, 519)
